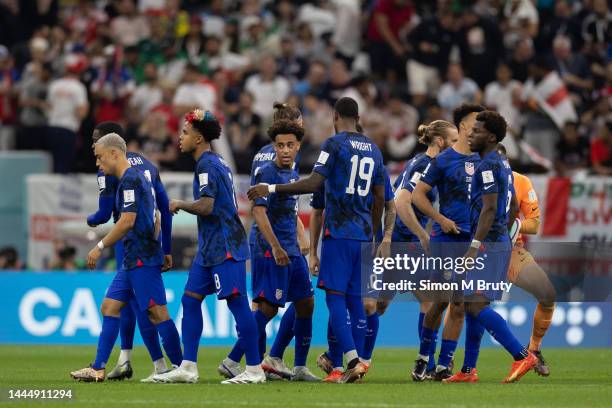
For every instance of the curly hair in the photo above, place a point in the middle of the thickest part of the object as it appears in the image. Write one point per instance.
(461, 111)
(494, 123)
(286, 127)
(204, 123)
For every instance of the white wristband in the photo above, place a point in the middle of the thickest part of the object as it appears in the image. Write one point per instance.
(475, 243)
(271, 188)
(100, 245)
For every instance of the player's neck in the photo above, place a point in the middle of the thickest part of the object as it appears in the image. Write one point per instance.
(488, 150)
(462, 146)
(432, 151)
(282, 166)
(346, 127)
(122, 168)
(200, 150)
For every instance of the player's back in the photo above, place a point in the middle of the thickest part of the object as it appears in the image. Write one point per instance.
(135, 194)
(221, 234)
(281, 211)
(408, 179)
(451, 172)
(352, 165)
(493, 175)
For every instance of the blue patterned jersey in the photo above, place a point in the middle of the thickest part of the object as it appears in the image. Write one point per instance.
(282, 212)
(221, 235)
(451, 172)
(108, 184)
(493, 175)
(265, 155)
(408, 180)
(351, 165)
(135, 194)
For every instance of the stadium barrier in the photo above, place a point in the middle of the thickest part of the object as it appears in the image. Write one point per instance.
(63, 308)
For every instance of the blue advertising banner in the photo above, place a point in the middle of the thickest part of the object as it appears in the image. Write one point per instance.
(63, 308)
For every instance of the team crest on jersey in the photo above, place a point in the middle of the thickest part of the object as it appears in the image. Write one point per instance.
(203, 179)
(279, 294)
(102, 182)
(469, 168)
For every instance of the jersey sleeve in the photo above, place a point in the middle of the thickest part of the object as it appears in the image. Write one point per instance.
(317, 200)
(129, 193)
(207, 180)
(528, 199)
(413, 177)
(327, 158)
(432, 174)
(264, 175)
(388, 187)
(161, 198)
(488, 176)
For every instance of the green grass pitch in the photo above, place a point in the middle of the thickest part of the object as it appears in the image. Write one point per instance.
(580, 377)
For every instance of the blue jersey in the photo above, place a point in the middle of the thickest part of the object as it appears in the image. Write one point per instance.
(282, 212)
(135, 194)
(221, 235)
(493, 175)
(451, 172)
(408, 180)
(351, 165)
(265, 155)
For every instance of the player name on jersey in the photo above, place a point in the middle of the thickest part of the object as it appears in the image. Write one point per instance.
(363, 146)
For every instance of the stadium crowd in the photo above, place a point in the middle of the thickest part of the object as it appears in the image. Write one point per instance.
(546, 65)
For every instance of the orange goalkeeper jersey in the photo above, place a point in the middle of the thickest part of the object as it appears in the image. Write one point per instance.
(527, 198)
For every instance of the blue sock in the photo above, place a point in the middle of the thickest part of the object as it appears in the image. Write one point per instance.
(358, 321)
(431, 364)
(149, 335)
(420, 324)
(236, 353)
(192, 327)
(106, 341)
(127, 327)
(473, 335)
(447, 351)
(303, 335)
(370, 337)
(284, 334)
(426, 340)
(172, 341)
(262, 321)
(334, 352)
(246, 328)
(336, 304)
(498, 328)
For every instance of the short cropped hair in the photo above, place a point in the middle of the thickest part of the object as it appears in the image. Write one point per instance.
(347, 108)
(109, 127)
(112, 140)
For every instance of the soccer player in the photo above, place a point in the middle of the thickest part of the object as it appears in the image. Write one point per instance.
(411, 223)
(220, 263)
(351, 167)
(451, 173)
(524, 271)
(491, 198)
(106, 207)
(280, 272)
(230, 366)
(140, 273)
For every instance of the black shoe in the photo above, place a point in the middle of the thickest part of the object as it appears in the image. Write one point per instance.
(121, 372)
(442, 375)
(429, 375)
(420, 370)
(541, 368)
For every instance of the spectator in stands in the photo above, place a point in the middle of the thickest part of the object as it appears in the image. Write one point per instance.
(33, 104)
(129, 27)
(8, 101)
(347, 30)
(218, 58)
(480, 41)
(601, 151)
(572, 67)
(432, 39)
(564, 23)
(64, 258)
(307, 45)
(503, 96)
(521, 21)
(267, 87)
(68, 105)
(173, 67)
(9, 259)
(572, 150)
(597, 29)
(38, 53)
(521, 57)
(192, 45)
(339, 80)
(244, 131)
(195, 92)
(290, 65)
(457, 90)
(401, 120)
(386, 48)
(155, 141)
(315, 82)
(146, 95)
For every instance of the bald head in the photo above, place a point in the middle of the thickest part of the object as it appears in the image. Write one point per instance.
(110, 151)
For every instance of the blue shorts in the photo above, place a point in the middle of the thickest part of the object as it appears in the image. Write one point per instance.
(226, 279)
(144, 283)
(341, 266)
(495, 258)
(281, 284)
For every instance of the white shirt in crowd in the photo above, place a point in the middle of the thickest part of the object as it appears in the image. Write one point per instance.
(65, 96)
(145, 97)
(197, 94)
(347, 32)
(499, 97)
(266, 93)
